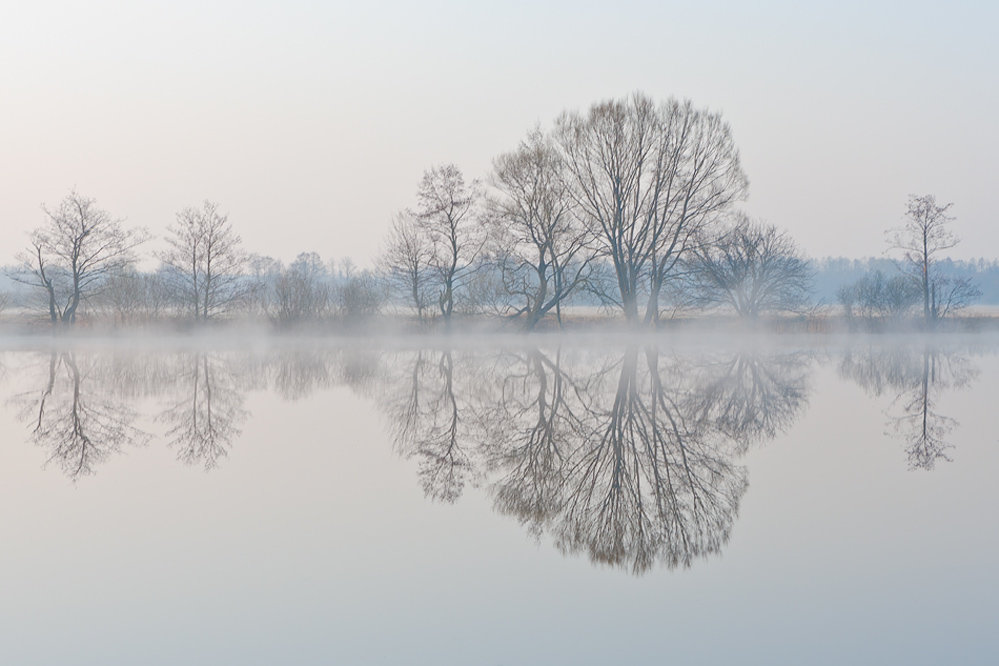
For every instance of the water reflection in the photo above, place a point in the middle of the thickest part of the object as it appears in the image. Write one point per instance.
(630, 457)
(205, 416)
(429, 429)
(74, 417)
(916, 377)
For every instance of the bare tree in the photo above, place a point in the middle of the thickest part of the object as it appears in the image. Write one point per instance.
(921, 240)
(445, 209)
(360, 295)
(406, 261)
(754, 268)
(648, 179)
(207, 260)
(73, 255)
(263, 273)
(302, 291)
(132, 296)
(545, 248)
(878, 296)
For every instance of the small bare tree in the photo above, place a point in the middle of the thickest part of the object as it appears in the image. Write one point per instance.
(754, 268)
(545, 249)
(406, 261)
(302, 291)
(132, 296)
(206, 261)
(876, 295)
(75, 253)
(923, 237)
(445, 209)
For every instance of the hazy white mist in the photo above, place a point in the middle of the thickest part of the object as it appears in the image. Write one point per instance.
(310, 123)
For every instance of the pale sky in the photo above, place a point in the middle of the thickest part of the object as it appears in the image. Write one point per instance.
(312, 122)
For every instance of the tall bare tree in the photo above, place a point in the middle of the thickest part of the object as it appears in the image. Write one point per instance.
(648, 178)
(207, 260)
(923, 237)
(546, 250)
(445, 209)
(75, 253)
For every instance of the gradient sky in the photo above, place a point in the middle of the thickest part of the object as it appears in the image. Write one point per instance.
(311, 122)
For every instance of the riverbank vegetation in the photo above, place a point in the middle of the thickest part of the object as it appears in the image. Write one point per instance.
(628, 213)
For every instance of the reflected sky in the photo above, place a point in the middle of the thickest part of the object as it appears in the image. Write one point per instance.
(313, 489)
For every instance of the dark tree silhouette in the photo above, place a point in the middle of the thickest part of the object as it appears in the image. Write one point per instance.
(754, 268)
(921, 240)
(544, 249)
(648, 179)
(75, 253)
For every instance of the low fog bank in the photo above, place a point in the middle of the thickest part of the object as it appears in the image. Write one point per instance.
(389, 333)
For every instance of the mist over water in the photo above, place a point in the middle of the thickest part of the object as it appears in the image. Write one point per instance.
(243, 500)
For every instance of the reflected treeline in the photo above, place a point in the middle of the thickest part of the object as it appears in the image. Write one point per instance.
(916, 377)
(630, 457)
(82, 406)
(85, 405)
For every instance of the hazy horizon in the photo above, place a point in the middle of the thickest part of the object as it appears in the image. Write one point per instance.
(311, 125)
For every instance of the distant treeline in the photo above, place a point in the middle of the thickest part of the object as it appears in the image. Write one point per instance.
(632, 206)
(834, 273)
(312, 288)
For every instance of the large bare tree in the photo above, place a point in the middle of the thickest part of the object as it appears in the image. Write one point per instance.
(546, 251)
(922, 239)
(207, 260)
(648, 179)
(74, 254)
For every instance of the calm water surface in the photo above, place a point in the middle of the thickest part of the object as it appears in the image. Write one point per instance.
(821, 502)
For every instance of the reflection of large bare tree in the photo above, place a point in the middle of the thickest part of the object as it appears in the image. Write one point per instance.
(916, 377)
(646, 485)
(76, 419)
(205, 420)
(611, 457)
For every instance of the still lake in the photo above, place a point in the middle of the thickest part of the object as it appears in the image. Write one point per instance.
(791, 501)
